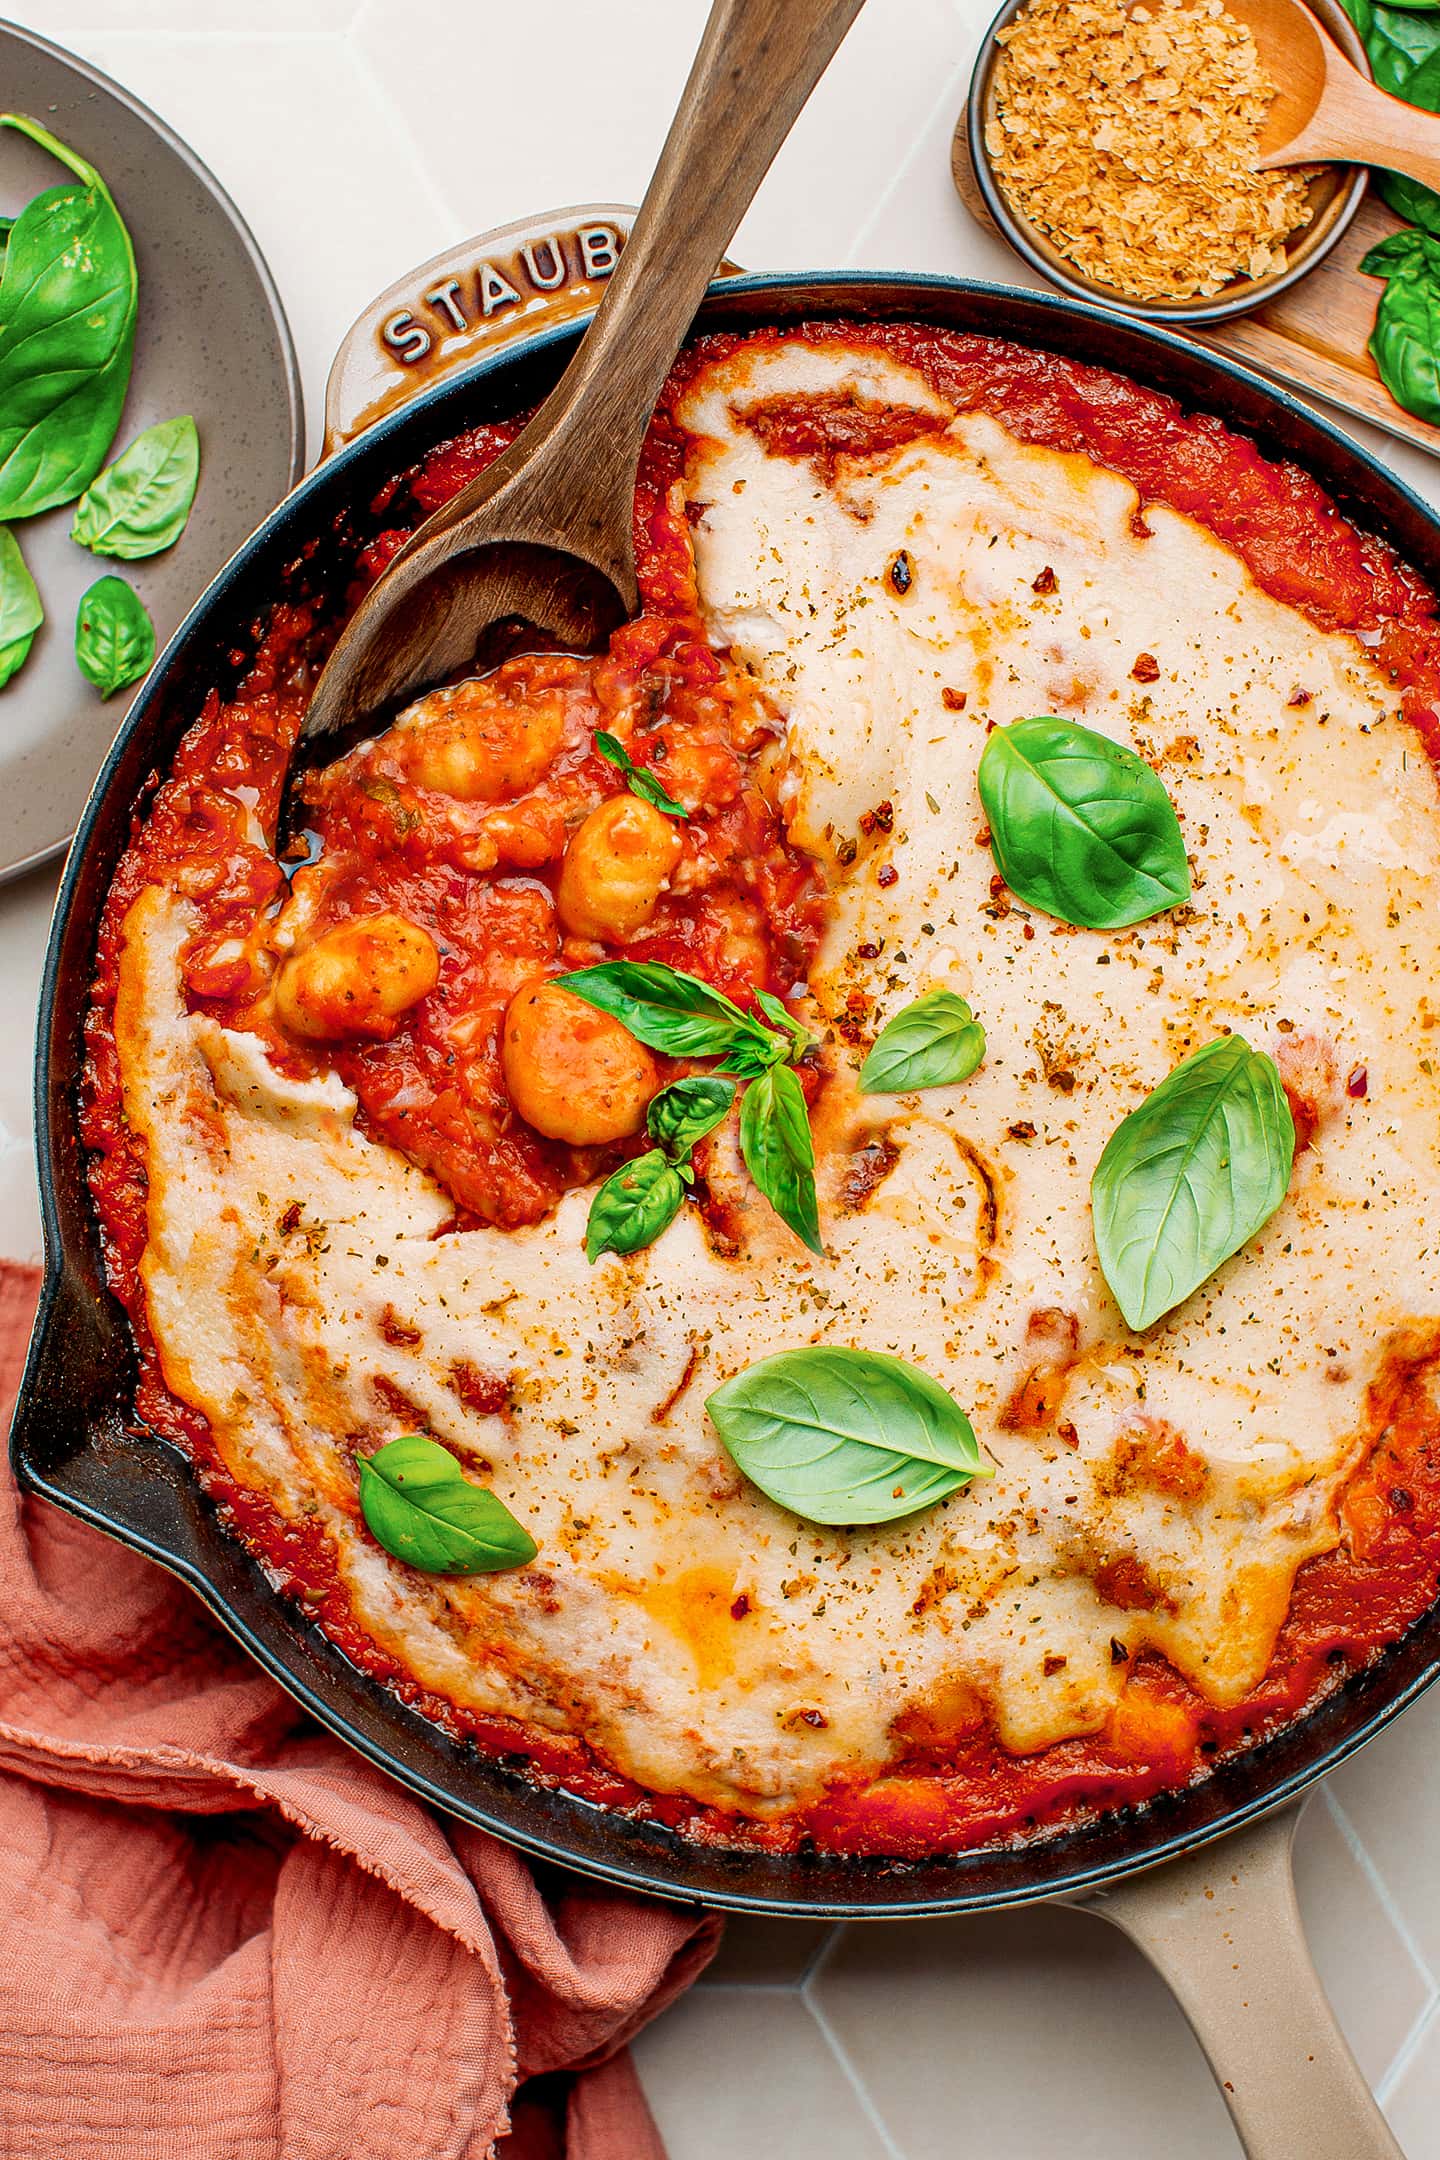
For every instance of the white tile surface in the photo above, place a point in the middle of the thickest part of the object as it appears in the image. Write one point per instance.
(359, 137)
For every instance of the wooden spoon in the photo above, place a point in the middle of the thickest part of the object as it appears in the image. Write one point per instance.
(545, 533)
(1325, 111)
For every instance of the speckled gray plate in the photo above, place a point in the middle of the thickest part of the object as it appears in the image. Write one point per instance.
(212, 340)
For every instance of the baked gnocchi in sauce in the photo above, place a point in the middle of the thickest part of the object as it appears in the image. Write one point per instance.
(344, 1119)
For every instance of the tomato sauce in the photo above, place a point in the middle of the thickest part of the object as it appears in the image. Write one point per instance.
(749, 918)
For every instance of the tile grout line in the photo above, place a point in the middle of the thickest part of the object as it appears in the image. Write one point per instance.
(1383, 1894)
(831, 2038)
(1409, 2048)
(961, 73)
(364, 67)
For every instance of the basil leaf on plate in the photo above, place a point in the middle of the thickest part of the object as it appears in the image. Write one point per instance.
(642, 779)
(419, 1504)
(141, 503)
(68, 297)
(1190, 1176)
(20, 611)
(779, 1152)
(670, 1010)
(681, 1114)
(114, 637)
(632, 1207)
(846, 1436)
(1405, 343)
(932, 1042)
(1079, 825)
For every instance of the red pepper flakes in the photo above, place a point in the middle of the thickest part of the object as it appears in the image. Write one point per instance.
(900, 574)
(1357, 1084)
(867, 951)
(1300, 697)
(1146, 668)
(880, 819)
(1045, 583)
(953, 700)
(740, 1607)
(887, 874)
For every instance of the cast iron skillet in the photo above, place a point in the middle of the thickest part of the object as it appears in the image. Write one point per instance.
(74, 1442)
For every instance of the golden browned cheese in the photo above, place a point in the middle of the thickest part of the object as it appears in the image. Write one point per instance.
(1157, 1491)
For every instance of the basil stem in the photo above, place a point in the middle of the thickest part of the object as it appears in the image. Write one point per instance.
(841, 1436)
(21, 613)
(932, 1042)
(141, 503)
(114, 636)
(418, 1503)
(642, 780)
(68, 298)
(1191, 1176)
(1079, 825)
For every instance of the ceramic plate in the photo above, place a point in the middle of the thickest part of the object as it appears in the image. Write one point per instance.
(212, 340)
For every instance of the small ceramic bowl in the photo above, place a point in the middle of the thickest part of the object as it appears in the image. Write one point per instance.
(1335, 196)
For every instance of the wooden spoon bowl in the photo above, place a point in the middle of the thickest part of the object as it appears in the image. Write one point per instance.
(1293, 50)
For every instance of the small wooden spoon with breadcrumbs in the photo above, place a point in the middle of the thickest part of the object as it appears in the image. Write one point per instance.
(1325, 111)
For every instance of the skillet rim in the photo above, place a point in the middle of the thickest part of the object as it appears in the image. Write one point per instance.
(141, 1490)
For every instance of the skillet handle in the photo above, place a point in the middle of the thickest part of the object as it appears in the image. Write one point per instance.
(1223, 1930)
(468, 303)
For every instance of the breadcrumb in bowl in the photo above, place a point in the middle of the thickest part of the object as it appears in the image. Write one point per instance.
(1115, 148)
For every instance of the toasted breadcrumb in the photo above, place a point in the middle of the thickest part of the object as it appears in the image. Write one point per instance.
(1129, 139)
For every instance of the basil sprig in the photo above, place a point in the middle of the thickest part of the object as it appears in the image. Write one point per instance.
(114, 636)
(1404, 48)
(641, 779)
(20, 611)
(1079, 825)
(932, 1042)
(141, 503)
(68, 299)
(418, 1504)
(1190, 1176)
(846, 1436)
(644, 1196)
(669, 1010)
(1405, 343)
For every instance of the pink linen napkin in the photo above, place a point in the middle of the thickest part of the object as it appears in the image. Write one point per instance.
(224, 1936)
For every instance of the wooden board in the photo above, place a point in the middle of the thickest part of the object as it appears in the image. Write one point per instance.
(1312, 337)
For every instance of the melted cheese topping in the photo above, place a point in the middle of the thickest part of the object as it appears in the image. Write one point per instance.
(1150, 1491)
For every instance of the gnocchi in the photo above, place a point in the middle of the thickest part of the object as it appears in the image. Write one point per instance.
(357, 979)
(616, 867)
(573, 1073)
(473, 742)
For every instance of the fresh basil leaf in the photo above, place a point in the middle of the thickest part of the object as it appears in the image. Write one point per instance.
(682, 1114)
(846, 1436)
(1410, 199)
(141, 503)
(1190, 1176)
(20, 611)
(634, 1205)
(421, 1507)
(114, 637)
(1405, 343)
(68, 298)
(667, 1009)
(932, 1042)
(1079, 825)
(642, 778)
(1397, 40)
(779, 1152)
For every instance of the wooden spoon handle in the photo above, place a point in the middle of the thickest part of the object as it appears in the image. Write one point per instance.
(757, 64)
(1366, 126)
